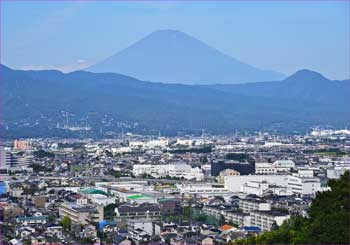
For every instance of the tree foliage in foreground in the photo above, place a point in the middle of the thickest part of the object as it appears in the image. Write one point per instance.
(327, 222)
(66, 223)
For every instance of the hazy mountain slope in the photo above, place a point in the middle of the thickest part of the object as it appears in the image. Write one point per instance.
(304, 86)
(44, 94)
(152, 103)
(175, 57)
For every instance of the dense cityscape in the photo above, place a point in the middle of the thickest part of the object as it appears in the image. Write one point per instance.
(136, 189)
(163, 122)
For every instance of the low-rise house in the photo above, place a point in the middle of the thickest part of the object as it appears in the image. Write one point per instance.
(15, 241)
(10, 211)
(121, 240)
(55, 231)
(145, 225)
(33, 220)
(227, 228)
(229, 236)
(170, 206)
(89, 231)
(205, 240)
(24, 232)
(36, 240)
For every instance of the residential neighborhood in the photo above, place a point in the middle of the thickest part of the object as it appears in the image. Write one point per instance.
(163, 190)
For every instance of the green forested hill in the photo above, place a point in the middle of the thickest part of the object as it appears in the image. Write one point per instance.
(328, 221)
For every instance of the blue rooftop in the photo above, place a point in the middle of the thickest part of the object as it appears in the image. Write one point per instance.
(251, 228)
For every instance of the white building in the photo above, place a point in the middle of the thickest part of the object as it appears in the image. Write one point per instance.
(185, 171)
(279, 166)
(301, 185)
(204, 190)
(224, 173)
(159, 143)
(140, 169)
(249, 205)
(320, 133)
(97, 196)
(187, 142)
(265, 168)
(236, 217)
(56, 230)
(173, 170)
(266, 219)
(121, 150)
(337, 172)
(33, 220)
(305, 172)
(258, 188)
(81, 214)
(262, 188)
(234, 183)
(144, 225)
(136, 144)
(10, 160)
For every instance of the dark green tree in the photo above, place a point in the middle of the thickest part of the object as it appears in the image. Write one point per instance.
(66, 223)
(109, 212)
(51, 218)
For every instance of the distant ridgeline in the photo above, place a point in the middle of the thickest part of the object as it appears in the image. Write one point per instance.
(328, 221)
(52, 103)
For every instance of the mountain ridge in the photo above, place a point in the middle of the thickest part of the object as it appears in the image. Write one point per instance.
(43, 95)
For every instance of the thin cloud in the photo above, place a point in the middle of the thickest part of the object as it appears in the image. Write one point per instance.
(80, 64)
(82, 61)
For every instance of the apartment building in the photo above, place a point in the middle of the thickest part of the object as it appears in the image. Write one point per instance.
(81, 214)
(266, 219)
(142, 211)
(249, 205)
(214, 211)
(237, 217)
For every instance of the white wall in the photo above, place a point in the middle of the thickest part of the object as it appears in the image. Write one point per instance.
(233, 183)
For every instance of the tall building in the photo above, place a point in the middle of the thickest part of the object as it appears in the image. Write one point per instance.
(2, 157)
(12, 161)
(21, 145)
(7, 159)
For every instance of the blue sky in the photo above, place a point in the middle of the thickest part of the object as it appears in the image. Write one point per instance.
(281, 36)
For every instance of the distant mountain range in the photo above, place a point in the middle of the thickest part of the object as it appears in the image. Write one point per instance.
(170, 56)
(304, 99)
